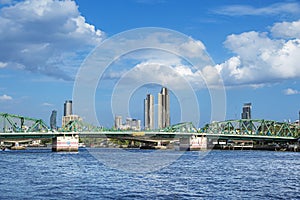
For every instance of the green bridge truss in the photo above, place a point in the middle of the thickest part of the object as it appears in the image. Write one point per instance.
(253, 127)
(81, 126)
(16, 123)
(185, 127)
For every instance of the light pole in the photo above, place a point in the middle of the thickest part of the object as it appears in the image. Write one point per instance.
(299, 119)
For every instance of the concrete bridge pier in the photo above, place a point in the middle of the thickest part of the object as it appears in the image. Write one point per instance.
(65, 143)
(193, 143)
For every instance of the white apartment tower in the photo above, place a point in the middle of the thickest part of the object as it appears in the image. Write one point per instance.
(149, 112)
(163, 108)
(118, 122)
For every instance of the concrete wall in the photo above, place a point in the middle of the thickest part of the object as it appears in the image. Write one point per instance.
(193, 143)
(65, 143)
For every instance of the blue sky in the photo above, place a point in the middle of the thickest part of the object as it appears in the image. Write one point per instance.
(254, 45)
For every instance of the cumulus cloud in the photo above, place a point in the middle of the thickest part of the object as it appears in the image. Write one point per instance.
(154, 72)
(151, 50)
(290, 91)
(5, 97)
(45, 36)
(286, 29)
(261, 59)
(193, 48)
(273, 9)
(167, 72)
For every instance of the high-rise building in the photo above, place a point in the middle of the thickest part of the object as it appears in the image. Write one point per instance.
(53, 120)
(246, 114)
(68, 108)
(163, 108)
(118, 122)
(149, 112)
(68, 114)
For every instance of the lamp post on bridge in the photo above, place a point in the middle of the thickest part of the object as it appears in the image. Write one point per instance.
(299, 120)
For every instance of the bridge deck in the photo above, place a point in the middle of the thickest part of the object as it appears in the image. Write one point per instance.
(138, 135)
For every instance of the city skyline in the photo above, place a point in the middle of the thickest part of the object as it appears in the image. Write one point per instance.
(254, 45)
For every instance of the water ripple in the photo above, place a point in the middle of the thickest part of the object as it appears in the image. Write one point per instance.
(41, 174)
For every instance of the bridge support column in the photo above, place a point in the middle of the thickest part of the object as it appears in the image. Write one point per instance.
(65, 143)
(158, 143)
(193, 143)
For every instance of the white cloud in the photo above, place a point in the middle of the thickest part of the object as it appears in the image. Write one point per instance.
(286, 29)
(160, 73)
(2, 65)
(290, 91)
(164, 48)
(53, 30)
(260, 59)
(157, 73)
(165, 72)
(211, 76)
(193, 48)
(47, 104)
(273, 9)
(5, 98)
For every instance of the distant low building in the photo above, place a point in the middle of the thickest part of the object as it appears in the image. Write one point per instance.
(131, 124)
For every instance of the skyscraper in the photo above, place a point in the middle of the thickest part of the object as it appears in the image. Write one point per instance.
(68, 108)
(246, 114)
(68, 114)
(149, 112)
(53, 120)
(163, 108)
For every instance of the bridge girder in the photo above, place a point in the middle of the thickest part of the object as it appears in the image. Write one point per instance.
(254, 127)
(17, 123)
(187, 127)
(80, 126)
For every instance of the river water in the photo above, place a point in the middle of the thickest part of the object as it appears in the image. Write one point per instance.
(42, 174)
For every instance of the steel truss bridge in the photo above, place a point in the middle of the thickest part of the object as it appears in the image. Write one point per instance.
(254, 128)
(20, 127)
